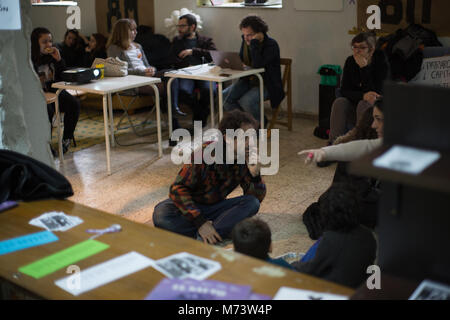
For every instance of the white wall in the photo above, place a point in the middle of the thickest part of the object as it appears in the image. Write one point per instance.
(311, 39)
(54, 18)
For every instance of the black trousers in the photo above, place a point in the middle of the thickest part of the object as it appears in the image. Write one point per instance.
(70, 106)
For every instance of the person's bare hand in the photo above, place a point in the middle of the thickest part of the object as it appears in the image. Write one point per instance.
(183, 54)
(259, 36)
(150, 72)
(371, 97)
(314, 155)
(55, 53)
(361, 60)
(209, 233)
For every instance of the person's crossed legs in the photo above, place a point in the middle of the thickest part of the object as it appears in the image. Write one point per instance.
(224, 215)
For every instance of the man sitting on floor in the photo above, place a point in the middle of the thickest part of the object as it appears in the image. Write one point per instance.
(197, 204)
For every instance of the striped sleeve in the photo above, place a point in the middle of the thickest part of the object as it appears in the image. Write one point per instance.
(180, 192)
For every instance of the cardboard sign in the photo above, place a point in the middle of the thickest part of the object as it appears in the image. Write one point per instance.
(435, 72)
(10, 15)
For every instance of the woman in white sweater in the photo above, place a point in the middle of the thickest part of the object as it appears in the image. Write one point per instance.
(351, 150)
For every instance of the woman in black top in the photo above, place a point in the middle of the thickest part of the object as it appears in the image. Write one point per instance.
(362, 82)
(49, 65)
(72, 49)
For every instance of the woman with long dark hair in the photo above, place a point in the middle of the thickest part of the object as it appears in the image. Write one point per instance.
(49, 65)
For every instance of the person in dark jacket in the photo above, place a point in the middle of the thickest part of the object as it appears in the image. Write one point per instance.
(189, 48)
(345, 247)
(258, 50)
(49, 65)
(362, 84)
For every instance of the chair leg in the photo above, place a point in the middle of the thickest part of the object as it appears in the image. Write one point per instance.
(273, 120)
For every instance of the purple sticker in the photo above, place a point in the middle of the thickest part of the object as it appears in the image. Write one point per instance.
(190, 289)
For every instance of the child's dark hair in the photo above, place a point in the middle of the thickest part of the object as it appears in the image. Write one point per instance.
(252, 237)
(340, 208)
(235, 119)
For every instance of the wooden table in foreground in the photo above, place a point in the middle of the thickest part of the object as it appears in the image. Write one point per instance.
(149, 241)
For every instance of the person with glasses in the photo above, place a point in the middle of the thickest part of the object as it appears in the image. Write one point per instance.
(189, 48)
(362, 82)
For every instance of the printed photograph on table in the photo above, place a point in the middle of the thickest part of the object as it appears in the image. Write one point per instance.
(185, 265)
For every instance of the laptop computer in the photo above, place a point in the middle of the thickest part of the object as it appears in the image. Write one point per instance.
(227, 60)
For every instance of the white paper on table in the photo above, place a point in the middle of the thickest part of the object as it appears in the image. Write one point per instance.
(10, 15)
(430, 290)
(185, 265)
(406, 159)
(104, 273)
(285, 293)
(56, 221)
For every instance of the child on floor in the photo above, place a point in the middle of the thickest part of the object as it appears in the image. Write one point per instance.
(252, 237)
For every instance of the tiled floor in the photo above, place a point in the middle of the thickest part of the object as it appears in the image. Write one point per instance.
(139, 181)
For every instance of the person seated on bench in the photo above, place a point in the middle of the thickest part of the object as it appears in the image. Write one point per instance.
(362, 82)
(253, 237)
(49, 65)
(198, 206)
(258, 50)
(121, 45)
(189, 48)
(96, 48)
(345, 248)
(72, 49)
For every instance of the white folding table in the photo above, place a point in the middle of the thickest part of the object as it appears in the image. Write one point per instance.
(205, 72)
(106, 87)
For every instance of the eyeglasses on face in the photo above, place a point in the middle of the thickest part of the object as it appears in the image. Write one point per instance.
(182, 25)
(360, 48)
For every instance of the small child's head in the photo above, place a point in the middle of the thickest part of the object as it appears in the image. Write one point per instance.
(252, 237)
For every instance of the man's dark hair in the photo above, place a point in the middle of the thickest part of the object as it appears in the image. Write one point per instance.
(340, 208)
(235, 119)
(190, 18)
(252, 237)
(256, 23)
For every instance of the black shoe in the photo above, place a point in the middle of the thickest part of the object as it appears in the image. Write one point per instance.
(177, 111)
(323, 164)
(66, 145)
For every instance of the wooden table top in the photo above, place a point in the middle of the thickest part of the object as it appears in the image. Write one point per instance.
(149, 241)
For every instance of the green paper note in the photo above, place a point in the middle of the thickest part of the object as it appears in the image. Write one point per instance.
(64, 258)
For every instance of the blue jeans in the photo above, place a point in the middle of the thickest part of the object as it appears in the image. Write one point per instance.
(186, 87)
(224, 215)
(242, 95)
